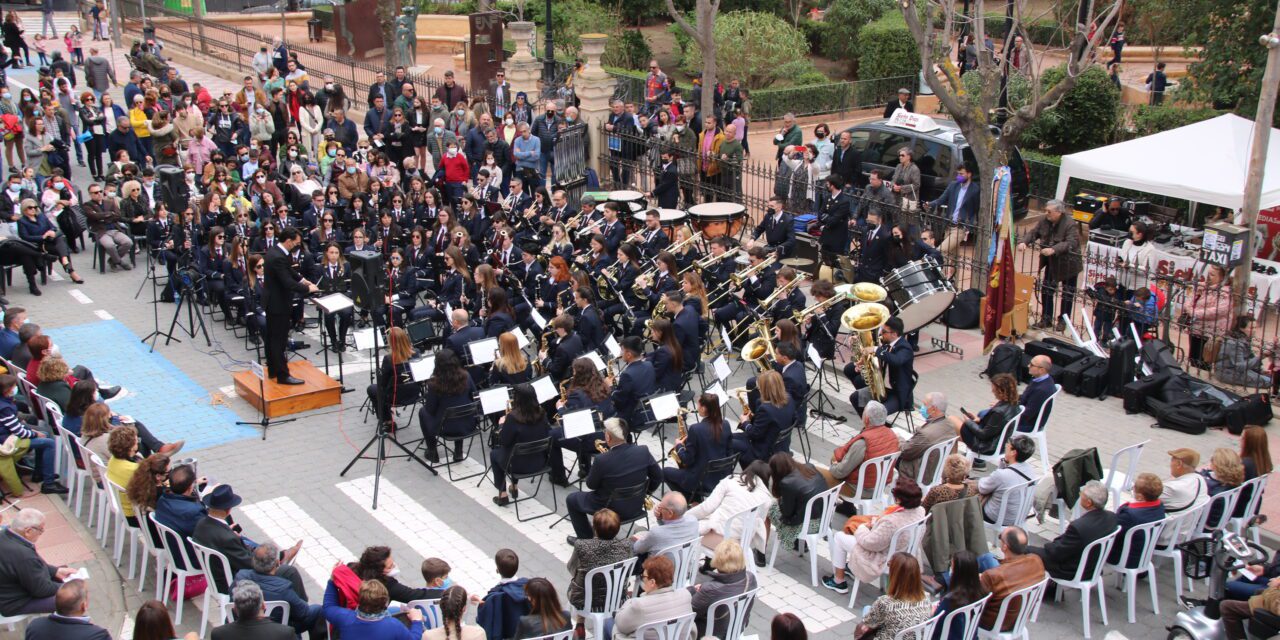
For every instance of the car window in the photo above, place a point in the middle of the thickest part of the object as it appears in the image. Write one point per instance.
(933, 157)
(859, 139)
(884, 146)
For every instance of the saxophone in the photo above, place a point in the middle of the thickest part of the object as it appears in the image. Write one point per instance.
(681, 433)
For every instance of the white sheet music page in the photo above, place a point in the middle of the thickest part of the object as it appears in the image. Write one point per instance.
(545, 388)
(422, 368)
(718, 391)
(494, 400)
(721, 366)
(665, 406)
(611, 344)
(483, 351)
(538, 319)
(578, 423)
(334, 302)
(595, 357)
(814, 357)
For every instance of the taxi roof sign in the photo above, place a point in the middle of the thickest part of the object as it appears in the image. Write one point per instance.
(914, 121)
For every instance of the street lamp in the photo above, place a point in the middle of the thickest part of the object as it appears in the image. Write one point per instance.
(549, 61)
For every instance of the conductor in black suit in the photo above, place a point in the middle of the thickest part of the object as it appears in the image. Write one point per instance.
(281, 281)
(667, 191)
(623, 466)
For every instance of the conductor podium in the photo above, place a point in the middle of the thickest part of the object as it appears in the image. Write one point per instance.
(273, 399)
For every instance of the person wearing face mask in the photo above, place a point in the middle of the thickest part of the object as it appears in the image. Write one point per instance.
(937, 428)
(544, 128)
(438, 140)
(310, 122)
(456, 172)
(961, 200)
(262, 127)
(187, 117)
(520, 111)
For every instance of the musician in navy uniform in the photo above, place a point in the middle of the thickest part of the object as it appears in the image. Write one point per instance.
(584, 389)
(704, 441)
(754, 290)
(763, 426)
(335, 277)
(635, 382)
(687, 321)
(653, 238)
(873, 260)
(820, 329)
(590, 325)
(623, 466)
(565, 348)
(778, 229)
(897, 366)
(612, 229)
(784, 306)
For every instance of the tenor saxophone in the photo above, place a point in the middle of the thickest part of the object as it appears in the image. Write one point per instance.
(681, 433)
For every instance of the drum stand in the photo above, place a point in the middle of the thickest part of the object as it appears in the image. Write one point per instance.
(943, 345)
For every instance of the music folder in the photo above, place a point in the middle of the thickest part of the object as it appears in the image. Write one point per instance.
(664, 407)
(578, 423)
(483, 351)
(422, 368)
(334, 303)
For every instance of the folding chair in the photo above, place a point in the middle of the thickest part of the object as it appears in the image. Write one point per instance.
(1089, 578)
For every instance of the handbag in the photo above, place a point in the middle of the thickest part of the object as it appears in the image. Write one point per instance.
(195, 586)
(864, 632)
(9, 446)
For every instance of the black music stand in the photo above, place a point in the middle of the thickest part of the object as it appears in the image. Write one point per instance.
(186, 295)
(155, 304)
(330, 304)
(596, 422)
(382, 434)
(265, 421)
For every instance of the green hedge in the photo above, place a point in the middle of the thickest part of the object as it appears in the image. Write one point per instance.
(833, 97)
(1148, 119)
(888, 49)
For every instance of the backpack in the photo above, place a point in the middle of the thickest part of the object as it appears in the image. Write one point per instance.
(1005, 358)
(966, 311)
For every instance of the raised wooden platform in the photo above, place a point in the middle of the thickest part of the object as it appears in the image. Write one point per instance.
(318, 390)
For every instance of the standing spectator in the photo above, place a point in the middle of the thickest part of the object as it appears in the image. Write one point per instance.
(545, 129)
(13, 40)
(93, 121)
(657, 89)
(344, 130)
(456, 173)
(1017, 54)
(27, 582)
(903, 101)
(1117, 44)
(1208, 316)
(1157, 81)
(788, 136)
(449, 93)
(527, 151)
(709, 142)
(620, 124)
(731, 156)
(46, 19)
(98, 73)
(500, 90)
(1058, 243)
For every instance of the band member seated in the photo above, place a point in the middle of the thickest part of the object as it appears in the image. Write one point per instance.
(688, 322)
(778, 228)
(395, 385)
(564, 347)
(461, 333)
(612, 229)
(213, 266)
(793, 301)
(524, 422)
(762, 426)
(335, 277)
(623, 466)
(590, 325)
(510, 367)
(454, 283)
(255, 315)
(585, 389)
(623, 284)
(751, 293)
(704, 441)
(499, 318)
(653, 239)
(449, 387)
(793, 378)
(598, 258)
(666, 357)
(820, 329)
(717, 274)
(635, 382)
(402, 292)
(688, 252)
(897, 367)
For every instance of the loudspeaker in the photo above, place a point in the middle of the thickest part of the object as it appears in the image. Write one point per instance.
(368, 279)
(173, 188)
(807, 248)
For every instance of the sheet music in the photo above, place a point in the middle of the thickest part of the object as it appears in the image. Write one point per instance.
(365, 338)
(664, 407)
(718, 391)
(538, 319)
(578, 423)
(494, 400)
(483, 351)
(814, 357)
(334, 302)
(728, 343)
(611, 344)
(721, 367)
(545, 388)
(595, 357)
(422, 368)
(522, 340)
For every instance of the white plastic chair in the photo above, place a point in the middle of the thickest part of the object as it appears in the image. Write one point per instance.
(907, 540)
(736, 612)
(922, 631)
(685, 557)
(1087, 579)
(1038, 431)
(11, 622)
(152, 547)
(563, 635)
(615, 580)
(1179, 528)
(77, 480)
(432, 617)
(674, 629)
(883, 467)
(966, 617)
(1015, 500)
(1254, 490)
(112, 520)
(1227, 503)
(992, 459)
(810, 541)
(1029, 599)
(1141, 539)
(113, 492)
(1123, 470)
(212, 561)
(178, 566)
(270, 607)
(744, 523)
(937, 454)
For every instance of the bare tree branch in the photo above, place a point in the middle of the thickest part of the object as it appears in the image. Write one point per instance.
(684, 24)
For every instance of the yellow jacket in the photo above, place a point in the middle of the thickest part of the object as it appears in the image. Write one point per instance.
(138, 118)
(709, 166)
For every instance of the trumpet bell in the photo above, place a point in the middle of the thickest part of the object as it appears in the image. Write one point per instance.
(755, 349)
(867, 316)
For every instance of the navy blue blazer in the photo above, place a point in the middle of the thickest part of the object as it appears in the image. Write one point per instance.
(625, 465)
(667, 191)
(664, 373)
(1128, 516)
(591, 329)
(56, 627)
(968, 208)
(578, 400)
(874, 256)
(565, 353)
(1033, 397)
(613, 234)
(835, 224)
(688, 333)
(779, 233)
(651, 246)
(793, 378)
(459, 340)
(700, 448)
(434, 406)
(899, 360)
(762, 432)
(452, 286)
(498, 324)
(636, 382)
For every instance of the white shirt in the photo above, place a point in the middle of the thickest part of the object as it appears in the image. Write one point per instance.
(1183, 491)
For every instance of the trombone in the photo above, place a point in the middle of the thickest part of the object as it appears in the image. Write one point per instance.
(711, 261)
(818, 307)
(778, 294)
(752, 271)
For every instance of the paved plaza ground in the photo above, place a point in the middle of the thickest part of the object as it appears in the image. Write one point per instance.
(292, 489)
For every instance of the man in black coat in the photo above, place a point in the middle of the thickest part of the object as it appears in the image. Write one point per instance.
(1062, 555)
(70, 619)
(214, 532)
(280, 284)
(667, 190)
(568, 348)
(621, 467)
(873, 259)
(778, 228)
(902, 102)
(846, 161)
(835, 222)
(27, 582)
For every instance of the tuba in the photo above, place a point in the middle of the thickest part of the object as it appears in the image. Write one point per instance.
(863, 319)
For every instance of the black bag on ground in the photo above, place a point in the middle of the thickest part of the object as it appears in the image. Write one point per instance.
(1073, 374)
(1121, 369)
(1193, 416)
(966, 311)
(1157, 354)
(1135, 393)
(1093, 381)
(1253, 409)
(1005, 358)
(1061, 353)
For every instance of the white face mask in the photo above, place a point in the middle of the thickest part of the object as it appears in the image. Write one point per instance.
(453, 152)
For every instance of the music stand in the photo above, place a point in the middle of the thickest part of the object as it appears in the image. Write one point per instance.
(383, 433)
(186, 294)
(330, 304)
(265, 422)
(155, 304)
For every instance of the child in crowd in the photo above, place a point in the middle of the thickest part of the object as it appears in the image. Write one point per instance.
(1108, 297)
(75, 44)
(42, 50)
(500, 611)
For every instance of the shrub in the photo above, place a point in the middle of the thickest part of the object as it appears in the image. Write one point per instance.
(886, 49)
(1085, 118)
(751, 47)
(628, 49)
(1149, 119)
(801, 72)
(844, 19)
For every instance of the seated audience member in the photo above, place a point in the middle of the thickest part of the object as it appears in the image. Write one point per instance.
(1184, 488)
(121, 467)
(153, 621)
(1255, 454)
(904, 603)
(51, 381)
(658, 602)
(453, 610)
(623, 466)
(875, 440)
(955, 483)
(675, 526)
(1225, 473)
(376, 563)
(1014, 470)
(11, 425)
(27, 583)
(935, 430)
(1018, 569)
(84, 395)
(70, 618)
(1036, 392)
(731, 497)
(729, 577)
(963, 588)
(40, 347)
(1063, 555)
(180, 507)
(1244, 588)
(500, 611)
(588, 553)
(265, 572)
(213, 531)
(981, 433)
(1145, 508)
(545, 614)
(14, 318)
(1236, 612)
(864, 542)
(792, 484)
(248, 620)
(787, 626)
(21, 354)
(146, 484)
(369, 619)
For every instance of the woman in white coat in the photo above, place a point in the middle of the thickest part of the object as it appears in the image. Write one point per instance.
(731, 497)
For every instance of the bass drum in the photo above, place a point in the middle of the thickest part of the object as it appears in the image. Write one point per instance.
(919, 293)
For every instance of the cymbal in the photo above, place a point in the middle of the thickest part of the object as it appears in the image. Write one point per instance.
(797, 262)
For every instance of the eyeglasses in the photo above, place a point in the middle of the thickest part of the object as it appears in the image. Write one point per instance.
(219, 237)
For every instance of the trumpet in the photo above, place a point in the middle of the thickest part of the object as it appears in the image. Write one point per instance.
(681, 432)
(752, 271)
(637, 236)
(818, 307)
(601, 447)
(711, 261)
(591, 228)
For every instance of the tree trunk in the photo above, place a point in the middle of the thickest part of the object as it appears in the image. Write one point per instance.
(387, 12)
(707, 25)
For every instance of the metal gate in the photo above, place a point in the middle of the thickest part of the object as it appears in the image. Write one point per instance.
(570, 162)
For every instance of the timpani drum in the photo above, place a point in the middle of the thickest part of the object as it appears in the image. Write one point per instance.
(670, 218)
(632, 202)
(920, 293)
(718, 218)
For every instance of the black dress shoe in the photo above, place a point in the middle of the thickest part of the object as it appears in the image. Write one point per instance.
(108, 393)
(289, 380)
(53, 488)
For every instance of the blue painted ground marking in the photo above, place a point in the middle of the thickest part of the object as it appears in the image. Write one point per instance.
(160, 396)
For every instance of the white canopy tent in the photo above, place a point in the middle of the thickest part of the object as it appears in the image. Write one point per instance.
(1202, 162)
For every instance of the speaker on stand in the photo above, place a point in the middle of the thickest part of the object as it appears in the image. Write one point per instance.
(173, 191)
(368, 279)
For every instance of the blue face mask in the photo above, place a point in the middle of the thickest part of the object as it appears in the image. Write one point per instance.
(333, 152)
(924, 412)
(448, 582)
(351, 169)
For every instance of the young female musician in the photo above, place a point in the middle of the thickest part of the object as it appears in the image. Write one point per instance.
(485, 279)
(560, 244)
(691, 284)
(455, 283)
(598, 259)
(418, 254)
(762, 428)
(335, 277)
(623, 282)
(402, 288)
(524, 422)
(704, 441)
(214, 266)
(666, 358)
(687, 254)
(395, 385)
(359, 241)
(584, 389)
(462, 241)
(553, 292)
(327, 233)
(266, 239)
(450, 386)
(786, 331)
(498, 317)
(510, 367)
(255, 314)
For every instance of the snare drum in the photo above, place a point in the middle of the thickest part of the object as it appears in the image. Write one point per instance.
(718, 218)
(920, 293)
(670, 218)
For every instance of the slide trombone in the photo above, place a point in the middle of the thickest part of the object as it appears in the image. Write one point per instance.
(752, 271)
(711, 261)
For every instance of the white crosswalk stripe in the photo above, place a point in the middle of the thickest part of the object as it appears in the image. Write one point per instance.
(282, 521)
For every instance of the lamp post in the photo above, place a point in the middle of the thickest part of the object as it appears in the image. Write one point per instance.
(549, 60)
